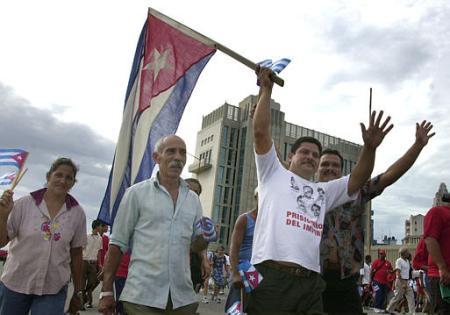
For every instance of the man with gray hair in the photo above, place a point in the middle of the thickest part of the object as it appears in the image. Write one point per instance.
(156, 218)
(402, 287)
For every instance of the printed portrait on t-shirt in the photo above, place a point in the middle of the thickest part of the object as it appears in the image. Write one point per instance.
(321, 194)
(303, 201)
(315, 208)
(294, 185)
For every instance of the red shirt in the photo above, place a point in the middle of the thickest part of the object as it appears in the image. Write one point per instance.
(105, 241)
(381, 276)
(421, 256)
(122, 271)
(437, 226)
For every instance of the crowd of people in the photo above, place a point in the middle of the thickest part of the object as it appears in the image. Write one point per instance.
(304, 238)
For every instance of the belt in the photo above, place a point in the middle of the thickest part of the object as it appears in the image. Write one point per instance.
(299, 271)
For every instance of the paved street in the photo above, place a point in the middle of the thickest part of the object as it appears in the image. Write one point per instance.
(204, 309)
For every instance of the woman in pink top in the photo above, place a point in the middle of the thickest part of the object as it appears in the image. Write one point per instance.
(46, 230)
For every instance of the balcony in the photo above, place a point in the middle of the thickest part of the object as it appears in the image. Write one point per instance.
(199, 166)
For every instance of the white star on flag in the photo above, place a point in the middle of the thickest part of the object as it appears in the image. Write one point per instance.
(159, 62)
(251, 278)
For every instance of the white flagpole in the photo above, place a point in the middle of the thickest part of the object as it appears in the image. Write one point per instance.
(211, 43)
(18, 178)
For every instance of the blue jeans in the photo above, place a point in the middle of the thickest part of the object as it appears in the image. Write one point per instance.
(381, 291)
(12, 302)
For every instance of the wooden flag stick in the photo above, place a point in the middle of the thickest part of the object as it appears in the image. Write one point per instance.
(20, 173)
(18, 178)
(211, 43)
(370, 104)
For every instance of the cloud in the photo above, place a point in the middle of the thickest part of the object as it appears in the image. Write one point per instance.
(406, 55)
(389, 55)
(46, 138)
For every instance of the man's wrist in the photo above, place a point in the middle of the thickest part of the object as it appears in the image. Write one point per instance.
(107, 287)
(419, 144)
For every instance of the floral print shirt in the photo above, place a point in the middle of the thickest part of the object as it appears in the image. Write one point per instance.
(343, 233)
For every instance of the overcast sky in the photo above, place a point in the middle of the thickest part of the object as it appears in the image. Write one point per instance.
(64, 68)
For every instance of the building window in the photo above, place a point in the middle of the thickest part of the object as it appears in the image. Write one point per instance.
(233, 137)
(220, 174)
(226, 192)
(225, 135)
(218, 194)
(228, 176)
(223, 237)
(230, 158)
(215, 215)
(222, 155)
(225, 212)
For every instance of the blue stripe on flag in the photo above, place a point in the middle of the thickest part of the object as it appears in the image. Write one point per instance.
(139, 53)
(15, 151)
(104, 213)
(9, 163)
(276, 66)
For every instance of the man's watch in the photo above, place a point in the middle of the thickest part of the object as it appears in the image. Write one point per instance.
(107, 293)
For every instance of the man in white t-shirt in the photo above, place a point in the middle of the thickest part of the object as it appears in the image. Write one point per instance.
(292, 209)
(402, 288)
(90, 261)
(365, 271)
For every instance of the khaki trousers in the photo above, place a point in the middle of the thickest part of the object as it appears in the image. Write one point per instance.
(399, 293)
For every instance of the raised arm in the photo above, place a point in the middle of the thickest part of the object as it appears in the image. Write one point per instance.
(262, 117)
(236, 241)
(402, 165)
(372, 137)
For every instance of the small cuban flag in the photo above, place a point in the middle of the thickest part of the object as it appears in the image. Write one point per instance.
(276, 66)
(235, 309)
(234, 304)
(250, 276)
(206, 228)
(7, 179)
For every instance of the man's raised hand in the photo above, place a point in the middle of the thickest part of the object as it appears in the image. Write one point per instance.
(375, 133)
(423, 132)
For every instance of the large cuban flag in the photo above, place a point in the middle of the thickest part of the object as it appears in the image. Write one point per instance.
(168, 61)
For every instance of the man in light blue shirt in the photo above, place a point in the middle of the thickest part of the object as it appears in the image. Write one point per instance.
(156, 219)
